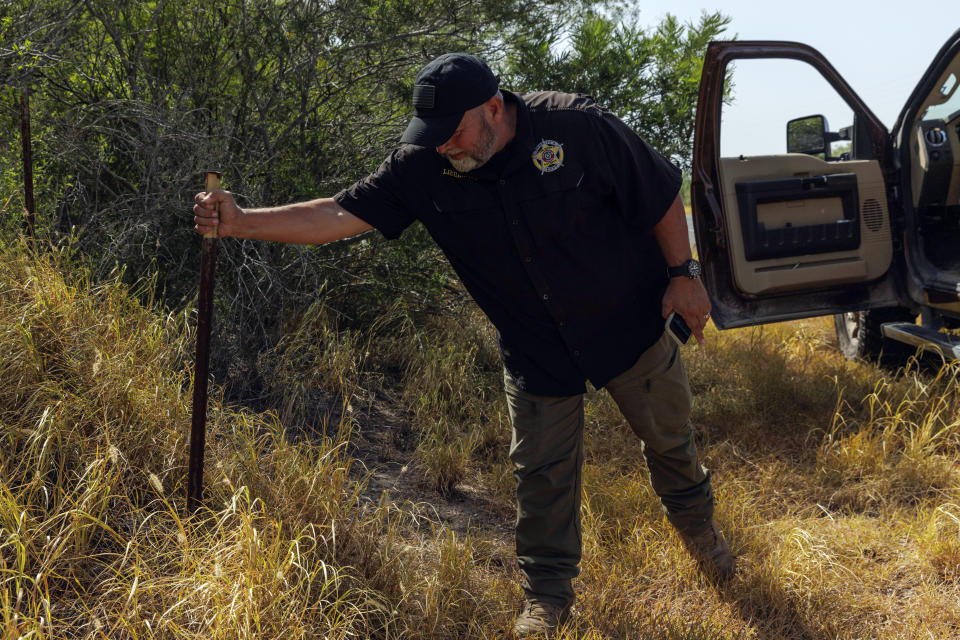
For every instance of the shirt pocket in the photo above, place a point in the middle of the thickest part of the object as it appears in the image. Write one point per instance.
(536, 186)
(467, 220)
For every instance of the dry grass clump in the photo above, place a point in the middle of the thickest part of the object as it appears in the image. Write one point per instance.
(941, 540)
(94, 413)
(452, 386)
(900, 444)
(94, 542)
(441, 374)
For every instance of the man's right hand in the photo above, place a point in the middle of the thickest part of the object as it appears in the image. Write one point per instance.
(206, 218)
(313, 222)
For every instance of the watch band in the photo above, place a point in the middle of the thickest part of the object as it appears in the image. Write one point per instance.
(689, 269)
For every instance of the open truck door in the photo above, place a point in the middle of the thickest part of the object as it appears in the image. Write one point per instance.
(801, 227)
(926, 147)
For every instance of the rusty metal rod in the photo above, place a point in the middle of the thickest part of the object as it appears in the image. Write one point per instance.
(28, 203)
(201, 368)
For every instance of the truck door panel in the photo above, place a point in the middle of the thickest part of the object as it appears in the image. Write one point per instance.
(802, 222)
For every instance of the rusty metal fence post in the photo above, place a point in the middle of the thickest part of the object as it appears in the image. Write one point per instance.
(201, 368)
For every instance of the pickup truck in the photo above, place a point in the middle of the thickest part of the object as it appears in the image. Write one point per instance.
(870, 235)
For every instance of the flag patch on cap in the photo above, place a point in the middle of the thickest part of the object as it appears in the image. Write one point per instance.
(424, 96)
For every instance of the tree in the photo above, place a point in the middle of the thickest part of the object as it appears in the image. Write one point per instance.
(649, 79)
(293, 99)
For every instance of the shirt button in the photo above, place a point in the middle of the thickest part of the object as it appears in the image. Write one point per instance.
(576, 353)
(527, 259)
(546, 296)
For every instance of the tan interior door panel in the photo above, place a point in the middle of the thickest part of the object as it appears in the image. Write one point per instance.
(795, 222)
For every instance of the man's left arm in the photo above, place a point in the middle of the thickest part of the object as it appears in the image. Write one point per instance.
(687, 296)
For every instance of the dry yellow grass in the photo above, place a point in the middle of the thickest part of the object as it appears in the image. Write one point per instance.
(838, 483)
(94, 542)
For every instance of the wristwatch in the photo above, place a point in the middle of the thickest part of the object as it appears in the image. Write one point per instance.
(690, 269)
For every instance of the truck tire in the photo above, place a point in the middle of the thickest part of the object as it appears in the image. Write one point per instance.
(860, 338)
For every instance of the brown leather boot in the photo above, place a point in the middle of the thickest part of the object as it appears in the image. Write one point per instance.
(711, 552)
(540, 619)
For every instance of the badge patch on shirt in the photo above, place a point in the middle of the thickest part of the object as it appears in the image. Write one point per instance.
(548, 156)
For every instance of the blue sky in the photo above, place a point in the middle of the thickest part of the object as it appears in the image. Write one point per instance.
(881, 48)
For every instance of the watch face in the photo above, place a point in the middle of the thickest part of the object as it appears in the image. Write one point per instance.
(689, 269)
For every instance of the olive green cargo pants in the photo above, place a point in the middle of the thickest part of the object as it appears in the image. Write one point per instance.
(547, 454)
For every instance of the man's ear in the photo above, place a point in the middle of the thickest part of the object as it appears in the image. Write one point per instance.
(495, 108)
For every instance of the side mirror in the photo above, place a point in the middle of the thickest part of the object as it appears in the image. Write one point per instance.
(807, 135)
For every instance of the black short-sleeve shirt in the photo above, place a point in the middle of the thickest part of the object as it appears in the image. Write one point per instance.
(552, 237)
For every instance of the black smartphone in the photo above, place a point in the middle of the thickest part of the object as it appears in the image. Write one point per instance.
(677, 328)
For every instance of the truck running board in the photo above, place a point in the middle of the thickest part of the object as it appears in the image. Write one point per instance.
(913, 334)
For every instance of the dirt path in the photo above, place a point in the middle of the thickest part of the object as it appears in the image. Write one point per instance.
(384, 448)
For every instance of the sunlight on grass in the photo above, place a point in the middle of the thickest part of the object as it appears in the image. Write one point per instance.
(837, 484)
(94, 410)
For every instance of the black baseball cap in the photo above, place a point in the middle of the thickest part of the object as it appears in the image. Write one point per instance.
(444, 90)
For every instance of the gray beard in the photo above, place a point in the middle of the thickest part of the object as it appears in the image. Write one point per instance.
(465, 164)
(484, 151)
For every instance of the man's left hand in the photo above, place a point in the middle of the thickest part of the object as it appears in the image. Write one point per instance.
(688, 298)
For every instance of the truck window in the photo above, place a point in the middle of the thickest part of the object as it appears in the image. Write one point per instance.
(766, 93)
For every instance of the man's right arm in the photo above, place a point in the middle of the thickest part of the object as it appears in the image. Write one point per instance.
(313, 222)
